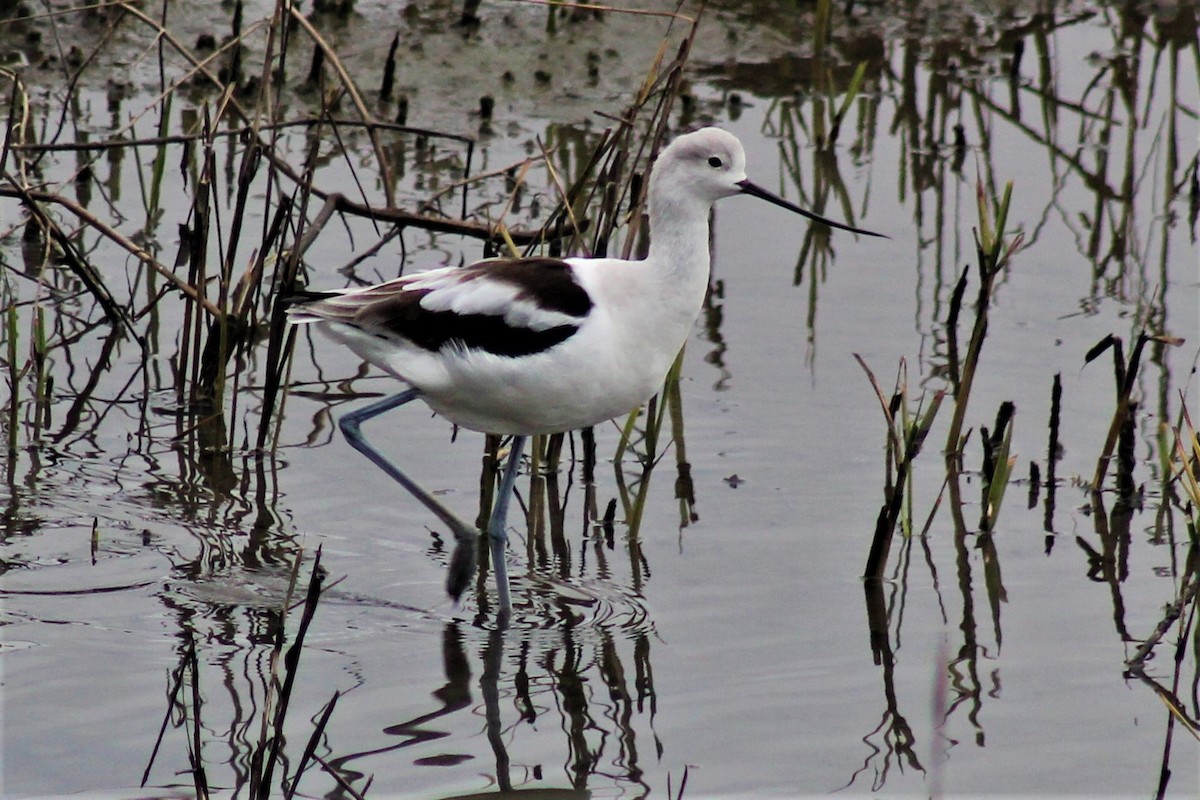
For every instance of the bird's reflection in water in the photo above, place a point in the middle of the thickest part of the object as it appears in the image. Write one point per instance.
(528, 682)
(578, 623)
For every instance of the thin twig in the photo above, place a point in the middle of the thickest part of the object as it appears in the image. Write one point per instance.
(385, 172)
(238, 132)
(10, 190)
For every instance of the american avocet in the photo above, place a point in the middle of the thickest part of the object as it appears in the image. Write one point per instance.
(524, 346)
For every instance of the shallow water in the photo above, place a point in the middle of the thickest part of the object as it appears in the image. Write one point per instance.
(727, 641)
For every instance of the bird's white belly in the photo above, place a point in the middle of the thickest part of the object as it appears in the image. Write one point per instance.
(570, 386)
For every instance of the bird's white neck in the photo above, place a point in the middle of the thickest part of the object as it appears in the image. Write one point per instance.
(679, 240)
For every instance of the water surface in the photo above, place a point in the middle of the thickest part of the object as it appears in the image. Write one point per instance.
(726, 638)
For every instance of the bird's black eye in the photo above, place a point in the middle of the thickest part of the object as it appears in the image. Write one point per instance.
(715, 162)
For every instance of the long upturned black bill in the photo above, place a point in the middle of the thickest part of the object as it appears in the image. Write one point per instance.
(757, 191)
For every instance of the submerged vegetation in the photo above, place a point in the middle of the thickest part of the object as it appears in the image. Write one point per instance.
(166, 177)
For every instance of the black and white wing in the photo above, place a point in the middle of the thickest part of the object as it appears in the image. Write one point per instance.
(507, 307)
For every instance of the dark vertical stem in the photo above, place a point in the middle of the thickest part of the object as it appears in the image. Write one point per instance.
(1053, 453)
(389, 71)
(162, 70)
(199, 778)
(1126, 457)
(291, 663)
(280, 338)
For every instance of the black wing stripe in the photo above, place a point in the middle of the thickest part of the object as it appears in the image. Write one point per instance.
(432, 330)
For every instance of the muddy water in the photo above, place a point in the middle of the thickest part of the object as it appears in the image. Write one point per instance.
(726, 640)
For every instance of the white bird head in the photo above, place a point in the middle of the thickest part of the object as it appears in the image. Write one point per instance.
(709, 164)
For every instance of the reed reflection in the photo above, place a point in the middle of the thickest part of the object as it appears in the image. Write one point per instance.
(891, 744)
(1110, 135)
(798, 127)
(572, 674)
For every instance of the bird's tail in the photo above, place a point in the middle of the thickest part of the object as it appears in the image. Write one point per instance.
(299, 297)
(294, 303)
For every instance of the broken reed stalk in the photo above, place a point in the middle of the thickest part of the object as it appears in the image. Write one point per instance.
(1053, 452)
(905, 437)
(389, 71)
(1125, 375)
(16, 127)
(464, 561)
(315, 68)
(997, 465)
(992, 254)
(535, 505)
(310, 749)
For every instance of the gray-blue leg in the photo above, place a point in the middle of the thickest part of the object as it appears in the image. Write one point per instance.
(497, 530)
(351, 428)
(351, 425)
